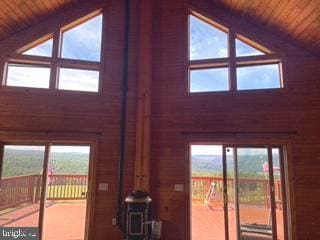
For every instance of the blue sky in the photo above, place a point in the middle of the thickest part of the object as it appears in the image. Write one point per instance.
(205, 80)
(208, 42)
(82, 43)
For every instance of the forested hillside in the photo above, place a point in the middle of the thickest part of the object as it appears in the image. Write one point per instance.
(22, 162)
(248, 165)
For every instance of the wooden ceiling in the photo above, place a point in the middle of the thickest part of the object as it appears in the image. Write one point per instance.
(294, 20)
(16, 15)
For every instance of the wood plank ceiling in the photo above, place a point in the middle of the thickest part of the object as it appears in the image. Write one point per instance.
(293, 20)
(16, 15)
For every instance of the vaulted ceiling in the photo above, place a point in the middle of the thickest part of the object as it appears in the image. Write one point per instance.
(16, 15)
(295, 20)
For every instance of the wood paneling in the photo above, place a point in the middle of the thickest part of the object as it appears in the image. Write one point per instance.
(16, 15)
(73, 113)
(297, 20)
(178, 118)
(175, 117)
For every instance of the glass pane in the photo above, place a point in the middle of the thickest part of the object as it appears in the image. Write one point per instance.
(21, 186)
(243, 49)
(207, 219)
(232, 223)
(258, 77)
(254, 194)
(206, 41)
(278, 192)
(83, 42)
(43, 49)
(28, 76)
(209, 80)
(79, 80)
(66, 203)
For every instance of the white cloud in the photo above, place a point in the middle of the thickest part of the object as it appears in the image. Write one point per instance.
(28, 76)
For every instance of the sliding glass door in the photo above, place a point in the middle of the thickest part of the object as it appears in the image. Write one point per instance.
(251, 181)
(45, 187)
(21, 179)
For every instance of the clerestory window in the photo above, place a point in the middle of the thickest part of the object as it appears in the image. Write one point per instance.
(68, 59)
(220, 60)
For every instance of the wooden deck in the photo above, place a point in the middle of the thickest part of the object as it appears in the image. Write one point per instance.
(64, 220)
(208, 223)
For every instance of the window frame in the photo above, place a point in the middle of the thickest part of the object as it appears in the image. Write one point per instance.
(231, 61)
(55, 62)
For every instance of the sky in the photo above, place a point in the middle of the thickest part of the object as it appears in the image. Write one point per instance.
(211, 150)
(55, 148)
(208, 42)
(82, 43)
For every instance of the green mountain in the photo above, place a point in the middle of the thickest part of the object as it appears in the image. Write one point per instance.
(248, 165)
(23, 162)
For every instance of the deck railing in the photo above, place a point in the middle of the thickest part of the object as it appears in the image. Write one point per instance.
(27, 189)
(251, 191)
(67, 187)
(17, 190)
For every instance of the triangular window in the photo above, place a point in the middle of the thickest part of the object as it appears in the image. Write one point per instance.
(83, 42)
(206, 40)
(43, 49)
(243, 49)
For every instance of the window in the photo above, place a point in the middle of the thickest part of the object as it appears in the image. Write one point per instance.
(223, 60)
(207, 41)
(78, 79)
(44, 49)
(28, 76)
(69, 59)
(258, 77)
(211, 79)
(85, 37)
(246, 186)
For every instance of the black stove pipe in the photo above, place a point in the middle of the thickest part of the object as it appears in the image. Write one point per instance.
(122, 155)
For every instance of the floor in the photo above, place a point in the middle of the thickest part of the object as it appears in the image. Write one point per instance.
(208, 223)
(63, 220)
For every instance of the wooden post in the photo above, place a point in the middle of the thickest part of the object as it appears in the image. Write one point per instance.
(142, 157)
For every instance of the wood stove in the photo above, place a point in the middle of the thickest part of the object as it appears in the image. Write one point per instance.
(138, 216)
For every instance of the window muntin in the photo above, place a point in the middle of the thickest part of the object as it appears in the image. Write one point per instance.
(20, 75)
(258, 77)
(206, 41)
(83, 42)
(83, 39)
(78, 80)
(209, 80)
(243, 60)
(43, 49)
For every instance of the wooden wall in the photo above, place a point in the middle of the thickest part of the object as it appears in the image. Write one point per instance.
(71, 113)
(177, 118)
